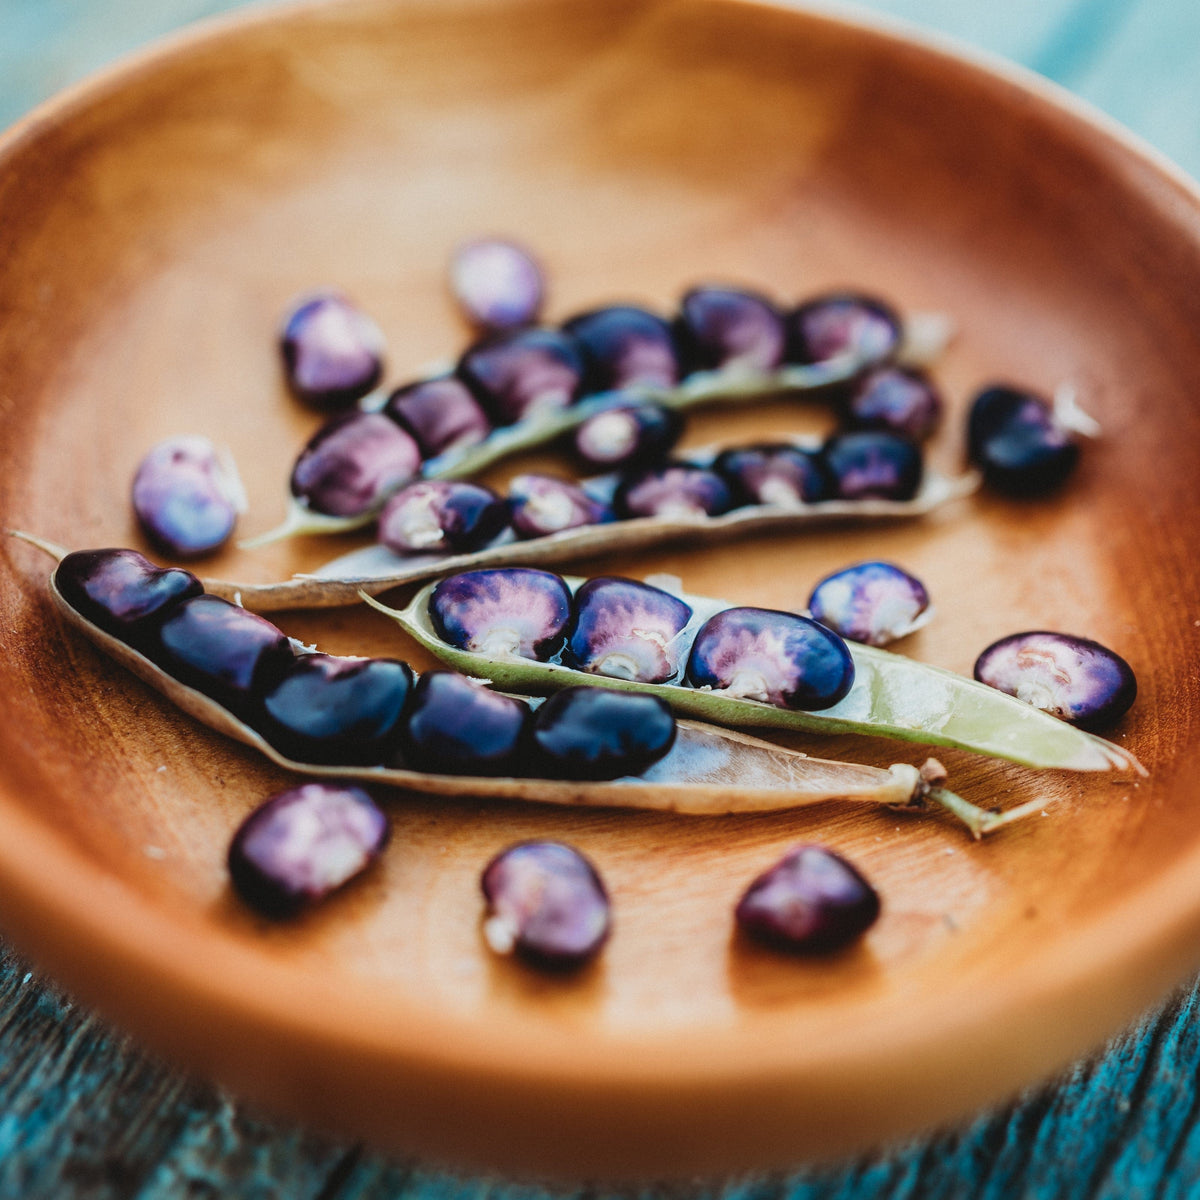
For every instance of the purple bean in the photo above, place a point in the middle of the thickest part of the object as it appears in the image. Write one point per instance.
(624, 346)
(516, 375)
(871, 602)
(675, 491)
(186, 496)
(440, 516)
(597, 733)
(547, 904)
(502, 612)
(811, 902)
(838, 323)
(774, 657)
(628, 436)
(721, 327)
(872, 466)
(498, 284)
(345, 711)
(303, 844)
(896, 400)
(440, 414)
(229, 654)
(542, 505)
(332, 352)
(123, 593)
(458, 727)
(1074, 678)
(626, 629)
(352, 464)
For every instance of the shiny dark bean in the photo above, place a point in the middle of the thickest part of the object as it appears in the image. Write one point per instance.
(123, 593)
(229, 654)
(872, 466)
(458, 727)
(597, 733)
(1013, 437)
(345, 711)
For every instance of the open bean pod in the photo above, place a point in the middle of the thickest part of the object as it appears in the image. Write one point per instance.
(891, 696)
(375, 569)
(709, 771)
(924, 338)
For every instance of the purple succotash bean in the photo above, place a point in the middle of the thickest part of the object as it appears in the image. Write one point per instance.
(1073, 678)
(783, 476)
(498, 284)
(547, 904)
(301, 845)
(517, 375)
(504, 612)
(872, 466)
(624, 346)
(187, 496)
(626, 630)
(123, 593)
(730, 328)
(628, 436)
(332, 351)
(675, 491)
(440, 516)
(896, 400)
(344, 711)
(774, 657)
(872, 602)
(811, 902)
(1013, 437)
(597, 733)
(843, 323)
(227, 653)
(353, 464)
(542, 505)
(440, 414)
(458, 727)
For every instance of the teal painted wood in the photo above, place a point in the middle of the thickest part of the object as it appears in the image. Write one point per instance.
(85, 1114)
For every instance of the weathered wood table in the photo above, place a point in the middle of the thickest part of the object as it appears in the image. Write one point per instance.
(83, 1113)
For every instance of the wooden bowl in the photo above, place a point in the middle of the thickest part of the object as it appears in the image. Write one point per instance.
(154, 226)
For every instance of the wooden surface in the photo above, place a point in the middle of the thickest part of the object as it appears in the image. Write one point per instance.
(86, 1115)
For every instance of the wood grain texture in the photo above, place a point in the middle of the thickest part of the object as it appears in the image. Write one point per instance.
(908, 1174)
